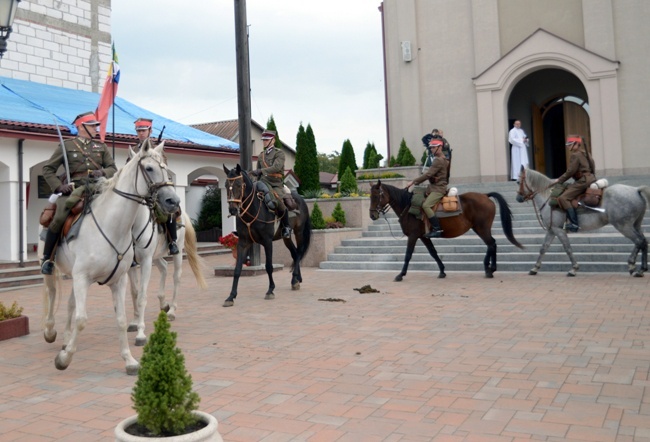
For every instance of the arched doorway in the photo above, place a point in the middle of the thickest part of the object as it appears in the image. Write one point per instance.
(551, 104)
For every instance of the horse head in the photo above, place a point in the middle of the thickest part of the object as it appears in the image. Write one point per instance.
(152, 178)
(532, 183)
(238, 188)
(379, 201)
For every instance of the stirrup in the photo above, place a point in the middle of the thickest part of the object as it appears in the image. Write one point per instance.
(47, 268)
(286, 232)
(173, 248)
(573, 228)
(434, 234)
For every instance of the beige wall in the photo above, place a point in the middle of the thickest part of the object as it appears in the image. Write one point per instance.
(456, 45)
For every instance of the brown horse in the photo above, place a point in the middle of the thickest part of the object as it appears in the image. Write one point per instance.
(477, 214)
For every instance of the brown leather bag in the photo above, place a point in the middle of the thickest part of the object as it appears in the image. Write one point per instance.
(47, 215)
(449, 203)
(592, 197)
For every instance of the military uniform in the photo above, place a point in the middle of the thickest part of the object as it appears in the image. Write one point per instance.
(438, 178)
(84, 156)
(581, 169)
(271, 163)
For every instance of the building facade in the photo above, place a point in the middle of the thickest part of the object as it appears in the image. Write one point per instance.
(472, 67)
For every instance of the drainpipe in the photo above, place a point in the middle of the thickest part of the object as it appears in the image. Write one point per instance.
(383, 45)
(21, 205)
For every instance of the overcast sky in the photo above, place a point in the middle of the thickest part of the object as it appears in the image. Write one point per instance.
(318, 63)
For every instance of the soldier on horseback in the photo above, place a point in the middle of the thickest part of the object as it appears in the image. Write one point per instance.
(270, 171)
(143, 127)
(87, 160)
(437, 176)
(581, 168)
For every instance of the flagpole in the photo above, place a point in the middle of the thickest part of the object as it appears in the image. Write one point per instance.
(113, 106)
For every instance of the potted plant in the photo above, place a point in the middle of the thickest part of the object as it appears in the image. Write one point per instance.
(12, 322)
(162, 396)
(230, 241)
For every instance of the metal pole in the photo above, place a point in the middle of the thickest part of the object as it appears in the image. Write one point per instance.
(244, 100)
(243, 85)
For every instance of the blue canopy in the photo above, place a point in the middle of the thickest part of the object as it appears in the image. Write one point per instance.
(35, 103)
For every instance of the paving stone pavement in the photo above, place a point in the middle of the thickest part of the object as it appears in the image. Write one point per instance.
(461, 359)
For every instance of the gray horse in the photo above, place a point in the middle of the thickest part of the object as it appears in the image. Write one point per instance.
(623, 207)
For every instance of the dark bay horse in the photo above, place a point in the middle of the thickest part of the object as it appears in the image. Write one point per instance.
(256, 224)
(478, 215)
(622, 206)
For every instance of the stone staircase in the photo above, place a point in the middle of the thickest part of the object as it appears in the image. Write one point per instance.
(12, 276)
(382, 246)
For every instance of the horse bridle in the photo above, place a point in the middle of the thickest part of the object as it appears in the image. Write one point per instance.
(244, 203)
(530, 196)
(148, 200)
(381, 210)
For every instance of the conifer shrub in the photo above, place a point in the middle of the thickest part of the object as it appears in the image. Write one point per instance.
(348, 182)
(10, 312)
(339, 214)
(317, 220)
(162, 395)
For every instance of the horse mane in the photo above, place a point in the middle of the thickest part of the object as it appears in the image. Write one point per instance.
(401, 197)
(539, 182)
(105, 186)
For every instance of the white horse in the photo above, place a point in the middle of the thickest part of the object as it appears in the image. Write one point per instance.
(103, 249)
(151, 247)
(622, 206)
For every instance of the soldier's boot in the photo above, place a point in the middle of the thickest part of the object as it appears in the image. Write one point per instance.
(436, 231)
(572, 215)
(284, 221)
(171, 231)
(47, 266)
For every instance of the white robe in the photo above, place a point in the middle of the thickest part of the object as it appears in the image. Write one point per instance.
(518, 152)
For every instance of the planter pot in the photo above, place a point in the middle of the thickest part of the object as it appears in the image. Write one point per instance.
(12, 328)
(206, 434)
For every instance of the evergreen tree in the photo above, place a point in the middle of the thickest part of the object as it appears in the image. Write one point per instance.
(339, 214)
(371, 158)
(317, 220)
(366, 155)
(301, 167)
(310, 179)
(210, 214)
(392, 162)
(270, 125)
(347, 159)
(162, 395)
(348, 182)
(374, 160)
(404, 156)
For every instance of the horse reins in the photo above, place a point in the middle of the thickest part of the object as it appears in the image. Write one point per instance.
(530, 196)
(148, 200)
(248, 202)
(382, 210)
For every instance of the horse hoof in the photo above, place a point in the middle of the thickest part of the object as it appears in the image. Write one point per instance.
(51, 338)
(132, 370)
(132, 328)
(171, 316)
(442, 275)
(489, 275)
(398, 278)
(571, 274)
(532, 272)
(139, 342)
(61, 361)
(228, 303)
(269, 296)
(165, 308)
(295, 286)
(638, 274)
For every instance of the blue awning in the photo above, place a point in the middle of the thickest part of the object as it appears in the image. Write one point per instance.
(35, 103)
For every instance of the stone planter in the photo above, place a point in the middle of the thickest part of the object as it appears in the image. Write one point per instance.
(323, 243)
(208, 434)
(13, 328)
(357, 209)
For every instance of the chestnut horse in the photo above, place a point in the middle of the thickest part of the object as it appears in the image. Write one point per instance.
(478, 213)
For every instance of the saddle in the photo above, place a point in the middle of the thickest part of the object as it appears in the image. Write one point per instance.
(447, 207)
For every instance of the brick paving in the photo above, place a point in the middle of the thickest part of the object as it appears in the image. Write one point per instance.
(461, 359)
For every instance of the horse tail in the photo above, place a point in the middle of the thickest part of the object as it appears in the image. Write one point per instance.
(305, 228)
(506, 218)
(645, 192)
(191, 249)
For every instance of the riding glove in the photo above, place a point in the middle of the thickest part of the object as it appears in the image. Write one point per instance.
(99, 173)
(65, 189)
